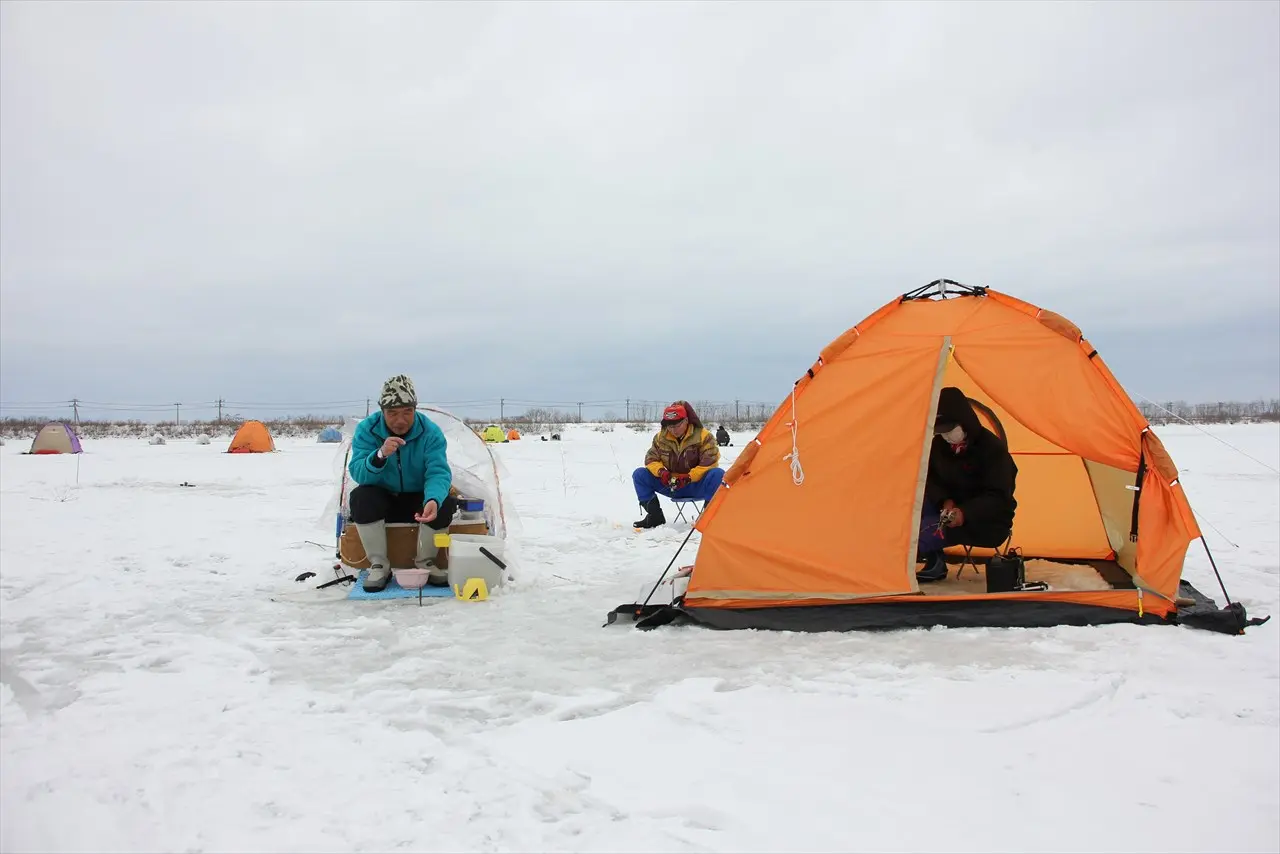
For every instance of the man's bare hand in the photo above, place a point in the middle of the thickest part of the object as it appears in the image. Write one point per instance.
(429, 512)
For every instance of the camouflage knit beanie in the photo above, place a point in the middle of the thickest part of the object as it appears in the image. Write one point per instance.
(398, 391)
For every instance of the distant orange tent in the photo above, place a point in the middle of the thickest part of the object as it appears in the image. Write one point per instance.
(513, 434)
(253, 437)
(839, 473)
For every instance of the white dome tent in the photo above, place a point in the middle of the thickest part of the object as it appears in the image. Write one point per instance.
(157, 439)
(477, 472)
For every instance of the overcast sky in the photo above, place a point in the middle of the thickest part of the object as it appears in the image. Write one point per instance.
(288, 202)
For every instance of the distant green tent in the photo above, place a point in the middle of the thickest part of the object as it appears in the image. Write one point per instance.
(494, 433)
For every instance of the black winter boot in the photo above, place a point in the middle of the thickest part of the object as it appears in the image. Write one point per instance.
(935, 568)
(653, 515)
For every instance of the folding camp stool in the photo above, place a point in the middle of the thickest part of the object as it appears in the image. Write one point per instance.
(968, 556)
(968, 561)
(698, 506)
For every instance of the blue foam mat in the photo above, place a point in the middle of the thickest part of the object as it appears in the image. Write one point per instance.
(394, 590)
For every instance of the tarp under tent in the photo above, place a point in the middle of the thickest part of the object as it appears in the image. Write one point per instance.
(56, 437)
(477, 473)
(839, 472)
(493, 433)
(253, 437)
(329, 435)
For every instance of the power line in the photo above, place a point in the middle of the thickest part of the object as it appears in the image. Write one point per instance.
(351, 402)
(226, 403)
(632, 406)
(84, 402)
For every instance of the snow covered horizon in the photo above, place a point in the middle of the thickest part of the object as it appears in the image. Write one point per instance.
(163, 687)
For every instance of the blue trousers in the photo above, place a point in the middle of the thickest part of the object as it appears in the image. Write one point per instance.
(930, 540)
(647, 486)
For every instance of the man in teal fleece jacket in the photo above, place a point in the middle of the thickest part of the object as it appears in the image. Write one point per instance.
(398, 458)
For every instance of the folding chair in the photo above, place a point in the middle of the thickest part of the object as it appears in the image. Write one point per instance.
(968, 556)
(698, 506)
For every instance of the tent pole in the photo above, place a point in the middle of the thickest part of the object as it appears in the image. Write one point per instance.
(668, 569)
(342, 496)
(1214, 564)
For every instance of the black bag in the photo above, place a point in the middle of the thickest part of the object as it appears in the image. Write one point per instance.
(1006, 572)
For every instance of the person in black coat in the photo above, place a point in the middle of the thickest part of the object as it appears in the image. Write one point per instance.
(722, 436)
(968, 491)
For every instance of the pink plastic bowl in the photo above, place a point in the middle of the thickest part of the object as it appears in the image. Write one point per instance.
(411, 579)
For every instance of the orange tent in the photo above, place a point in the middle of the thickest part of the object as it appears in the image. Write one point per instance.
(253, 437)
(839, 472)
(513, 434)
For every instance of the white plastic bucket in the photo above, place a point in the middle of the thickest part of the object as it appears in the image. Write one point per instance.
(467, 561)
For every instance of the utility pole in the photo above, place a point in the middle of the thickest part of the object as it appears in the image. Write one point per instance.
(579, 412)
(366, 407)
(502, 407)
(735, 411)
(75, 409)
(177, 412)
(219, 410)
(628, 409)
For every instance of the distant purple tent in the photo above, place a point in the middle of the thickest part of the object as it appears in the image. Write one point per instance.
(56, 438)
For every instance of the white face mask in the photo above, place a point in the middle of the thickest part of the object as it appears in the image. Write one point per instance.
(955, 435)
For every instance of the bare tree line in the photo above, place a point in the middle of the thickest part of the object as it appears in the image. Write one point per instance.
(742, 414)
(735, 415)
(295, 426)
(1221, 412)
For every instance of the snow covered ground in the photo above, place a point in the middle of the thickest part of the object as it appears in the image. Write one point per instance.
(155, 697)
